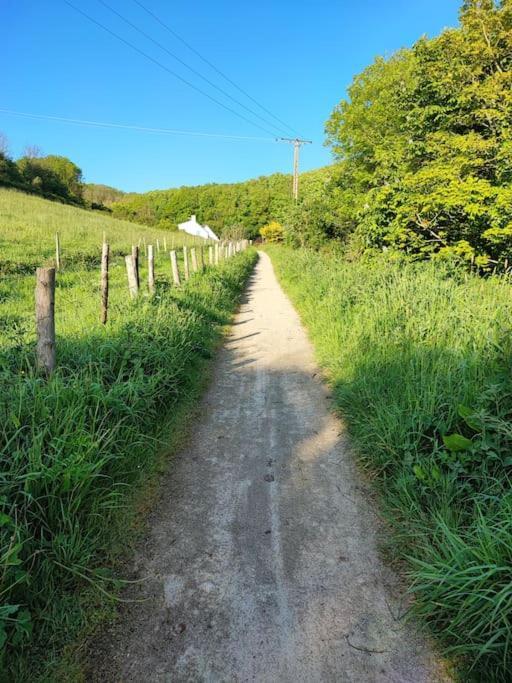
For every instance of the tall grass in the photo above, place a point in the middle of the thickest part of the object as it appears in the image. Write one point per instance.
(420, 362)
(74, 449)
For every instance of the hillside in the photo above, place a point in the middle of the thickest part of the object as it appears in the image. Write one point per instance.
(242, 207)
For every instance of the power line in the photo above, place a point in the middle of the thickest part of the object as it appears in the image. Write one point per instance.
(187, 66)
(144, 129)
(212, 66)
(165, 68)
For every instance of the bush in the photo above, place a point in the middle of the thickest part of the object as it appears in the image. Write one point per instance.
(272, 232)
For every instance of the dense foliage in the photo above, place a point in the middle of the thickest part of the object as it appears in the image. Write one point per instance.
(101, 196)
(238, 209)
(225, 207)
(423, 382)
(53, 177)
(424, 146)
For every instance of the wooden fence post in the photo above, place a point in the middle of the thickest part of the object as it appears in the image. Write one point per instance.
(193, 256)
(165, 244)
(158, 246)
(135, 258)
(151, 270)
(105, 253)
(45, 319)
(216, 254)
(175, 270)
(133, 284)
(57, 251)
(201, 256)
(185, 263)
(210, 255)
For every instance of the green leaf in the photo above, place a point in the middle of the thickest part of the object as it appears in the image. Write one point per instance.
(419, 472)
(5, 519)
(467, 414)
(457, 442)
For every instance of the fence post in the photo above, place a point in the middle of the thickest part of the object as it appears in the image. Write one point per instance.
(105, 253)
(185, 263)
(210, 255)
(165, 244)
(175, 270)
(45, 319)
(151, 270)
(135, 258)
(216, 253)
(133, 284)
(158, 246)
(193, 256)
(57, 251)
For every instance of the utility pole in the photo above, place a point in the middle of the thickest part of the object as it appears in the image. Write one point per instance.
(297, 144)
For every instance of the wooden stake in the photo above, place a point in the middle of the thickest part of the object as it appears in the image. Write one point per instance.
(175, 270)
(45, 319)
(193, 256)
(105, 253)
(201, 256)
(216, 253)
(135, 258)
(133, 284)
(158, 246)
(151, 270)
(210, 255)
(57, 251)
(185, 263)
(165, 243)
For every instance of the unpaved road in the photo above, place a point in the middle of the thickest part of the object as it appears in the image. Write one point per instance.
(261, 557)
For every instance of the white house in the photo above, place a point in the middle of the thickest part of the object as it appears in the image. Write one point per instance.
(194, 228)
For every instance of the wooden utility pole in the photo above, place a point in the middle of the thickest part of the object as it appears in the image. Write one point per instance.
(297, 144)
(45, 319)
(105, 252)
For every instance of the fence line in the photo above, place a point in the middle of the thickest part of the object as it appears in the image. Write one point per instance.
(45, 284)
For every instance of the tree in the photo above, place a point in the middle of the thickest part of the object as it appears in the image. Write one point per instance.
(53, 177)
(424, 143)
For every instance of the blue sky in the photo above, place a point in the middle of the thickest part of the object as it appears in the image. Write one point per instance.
(295, 58)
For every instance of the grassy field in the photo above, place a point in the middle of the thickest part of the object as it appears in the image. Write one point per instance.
(420, 364)
(75, 449)
(27, 240)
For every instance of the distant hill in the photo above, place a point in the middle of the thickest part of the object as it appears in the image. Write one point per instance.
(244, 207)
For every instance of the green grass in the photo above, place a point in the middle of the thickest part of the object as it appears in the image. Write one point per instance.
(416, 354)
(76, 449)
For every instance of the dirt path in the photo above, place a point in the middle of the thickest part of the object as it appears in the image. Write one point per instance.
(261, 556)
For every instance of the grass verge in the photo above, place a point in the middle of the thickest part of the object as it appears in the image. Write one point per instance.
(419, 359)
(75, 448)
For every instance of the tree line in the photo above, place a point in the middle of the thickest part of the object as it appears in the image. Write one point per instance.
(53, 177)
(423, 149)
